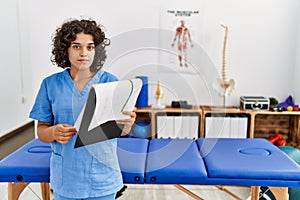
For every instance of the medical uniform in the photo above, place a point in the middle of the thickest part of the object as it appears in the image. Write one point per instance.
(90, 171)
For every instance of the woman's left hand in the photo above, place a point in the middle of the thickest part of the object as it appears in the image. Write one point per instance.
(127, 122)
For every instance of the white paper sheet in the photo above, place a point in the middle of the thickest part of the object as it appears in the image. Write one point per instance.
(111, 100)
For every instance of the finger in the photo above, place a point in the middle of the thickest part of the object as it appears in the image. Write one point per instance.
(126, 130)
(66, 125)
(125, 121)
(63, 139)
(68, 134)
(133, 115)
(68, 129)
(124, 133)
(120, 122)
(62, 134)
(130, 113)
(126, 112)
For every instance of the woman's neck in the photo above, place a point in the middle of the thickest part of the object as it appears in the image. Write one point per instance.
(81, 78)
(78, 75)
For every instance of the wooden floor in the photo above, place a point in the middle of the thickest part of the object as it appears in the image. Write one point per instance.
(148, 192)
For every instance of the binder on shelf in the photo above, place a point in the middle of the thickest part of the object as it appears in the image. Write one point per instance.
(194, 127)
(226, 127)
(176, 125)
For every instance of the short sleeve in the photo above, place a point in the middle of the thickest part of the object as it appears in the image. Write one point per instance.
(107, 77)
(41, 109)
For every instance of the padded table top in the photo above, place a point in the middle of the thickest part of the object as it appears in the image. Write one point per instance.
(247, 161)
(132, 153)
(173, 161)
(30, 163)
(205, 161)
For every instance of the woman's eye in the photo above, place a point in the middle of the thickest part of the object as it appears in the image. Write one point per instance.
(76, 47)
(90, 48)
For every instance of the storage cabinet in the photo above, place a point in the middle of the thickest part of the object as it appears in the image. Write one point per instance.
(268, 123)
(189, 123)
(225, 122)
(172, 122)
(226, 126)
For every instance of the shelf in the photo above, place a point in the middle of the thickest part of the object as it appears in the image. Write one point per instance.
(168, 109)
(261, 123)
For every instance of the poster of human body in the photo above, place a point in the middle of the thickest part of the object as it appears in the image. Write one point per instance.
(182, 59)
(179, 32)
(181, 39)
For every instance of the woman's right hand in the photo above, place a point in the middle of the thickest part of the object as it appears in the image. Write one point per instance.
(62, 133)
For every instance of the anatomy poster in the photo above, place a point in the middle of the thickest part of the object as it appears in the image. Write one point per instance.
(179, 33)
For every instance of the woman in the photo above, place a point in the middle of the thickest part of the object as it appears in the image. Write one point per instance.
(90, 172)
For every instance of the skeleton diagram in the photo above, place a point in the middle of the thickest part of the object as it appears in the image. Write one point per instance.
(182, 36)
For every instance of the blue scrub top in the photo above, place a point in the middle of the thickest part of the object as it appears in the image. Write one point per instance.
(90, 171)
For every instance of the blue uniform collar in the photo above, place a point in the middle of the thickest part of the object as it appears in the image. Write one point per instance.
(86, 89)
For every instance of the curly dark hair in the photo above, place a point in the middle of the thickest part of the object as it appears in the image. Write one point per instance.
(67, 33)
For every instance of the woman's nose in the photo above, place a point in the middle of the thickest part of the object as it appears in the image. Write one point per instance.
(83, 52)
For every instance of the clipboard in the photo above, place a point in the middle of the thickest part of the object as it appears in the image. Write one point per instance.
(105, 104)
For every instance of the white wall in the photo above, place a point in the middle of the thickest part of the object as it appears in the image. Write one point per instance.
(263, 39)
(261, 45)
(15, 82)
(296, 83)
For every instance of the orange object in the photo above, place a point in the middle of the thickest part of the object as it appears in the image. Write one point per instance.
(281, 142)
(277, 140)
(273, 139)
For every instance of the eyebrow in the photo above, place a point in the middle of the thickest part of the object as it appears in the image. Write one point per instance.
(92, 43)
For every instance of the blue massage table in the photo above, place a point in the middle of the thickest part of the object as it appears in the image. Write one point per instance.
(236, 162)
